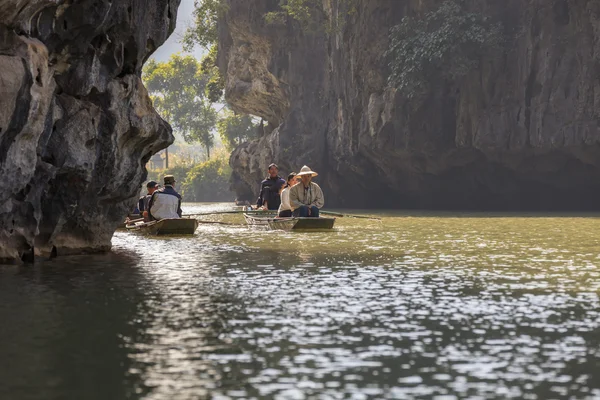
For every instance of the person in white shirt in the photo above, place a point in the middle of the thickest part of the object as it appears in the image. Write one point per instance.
(165, 203)
(285, 209)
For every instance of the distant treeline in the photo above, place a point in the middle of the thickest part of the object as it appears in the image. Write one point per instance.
(206, 181)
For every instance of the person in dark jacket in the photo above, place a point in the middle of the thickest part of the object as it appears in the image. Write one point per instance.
(144, 200)
(270, 188)
(165, 203)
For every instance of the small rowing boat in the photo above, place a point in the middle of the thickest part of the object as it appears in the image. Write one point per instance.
(175, 226)
(293, 223)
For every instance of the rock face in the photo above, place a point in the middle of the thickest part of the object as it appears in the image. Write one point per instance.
(76, 123)
(520, 132)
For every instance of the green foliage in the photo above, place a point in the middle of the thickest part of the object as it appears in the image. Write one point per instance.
(207, 181)
(306, 13)
(204, 30)
(446, 43)
(177, 89)
(299, 10)
(216, 83)
(179, 172)
(235, 129)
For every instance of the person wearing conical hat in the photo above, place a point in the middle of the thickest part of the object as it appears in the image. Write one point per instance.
(306, 198)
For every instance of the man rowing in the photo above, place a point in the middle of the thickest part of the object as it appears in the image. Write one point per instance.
(269, 197)
(306, 198)
(165, 202)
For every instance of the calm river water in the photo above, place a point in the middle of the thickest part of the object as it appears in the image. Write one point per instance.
(418, 305)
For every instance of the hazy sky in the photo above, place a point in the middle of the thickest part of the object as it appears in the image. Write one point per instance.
(172, 45)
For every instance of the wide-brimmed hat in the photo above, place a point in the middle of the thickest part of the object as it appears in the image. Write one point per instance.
(306, 171)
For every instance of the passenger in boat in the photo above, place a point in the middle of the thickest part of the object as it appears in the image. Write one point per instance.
(165, 202)
(285, 209)
(306, 198)
(144, 200)
(269, 198)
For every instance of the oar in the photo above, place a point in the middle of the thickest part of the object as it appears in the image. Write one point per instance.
(139, 226)
(133, 221)
(229, 212)
(348, 215)
(218, 222)
(201, 221)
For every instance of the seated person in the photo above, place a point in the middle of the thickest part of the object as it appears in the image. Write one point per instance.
(165, 202)
(144, 200)
(285, 209)
(269, 198)
(306, 198)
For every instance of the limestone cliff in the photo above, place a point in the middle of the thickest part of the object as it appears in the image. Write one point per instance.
(520, 132)
(76, 123)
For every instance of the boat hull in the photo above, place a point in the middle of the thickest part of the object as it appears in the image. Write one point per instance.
(175, 226)
(294, 223)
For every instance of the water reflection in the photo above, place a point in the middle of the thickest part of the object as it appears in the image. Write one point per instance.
(415, 306)
(62, 327)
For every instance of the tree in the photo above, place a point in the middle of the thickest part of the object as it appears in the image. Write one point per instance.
(209, 181)
(177, 89)
(235, 129)
(216, 83)
(204, 30)
(205, 181)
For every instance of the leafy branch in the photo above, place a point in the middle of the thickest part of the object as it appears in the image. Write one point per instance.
(448, 42)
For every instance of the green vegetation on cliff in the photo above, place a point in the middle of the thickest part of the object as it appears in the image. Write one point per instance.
(447, 42)
(311, 15)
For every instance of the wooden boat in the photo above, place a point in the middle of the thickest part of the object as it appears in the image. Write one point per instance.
(294, 223)
(175, 226)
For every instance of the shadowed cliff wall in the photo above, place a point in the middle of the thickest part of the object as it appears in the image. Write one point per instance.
(76, 123)
(521, 131)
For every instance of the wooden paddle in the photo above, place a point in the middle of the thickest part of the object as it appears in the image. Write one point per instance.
(267, 211)
(218, 222)
(133, 221)
(139, 226)
(231, 212)
(348, 215)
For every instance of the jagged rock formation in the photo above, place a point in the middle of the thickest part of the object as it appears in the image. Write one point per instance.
(520, 132)
(76, 123)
